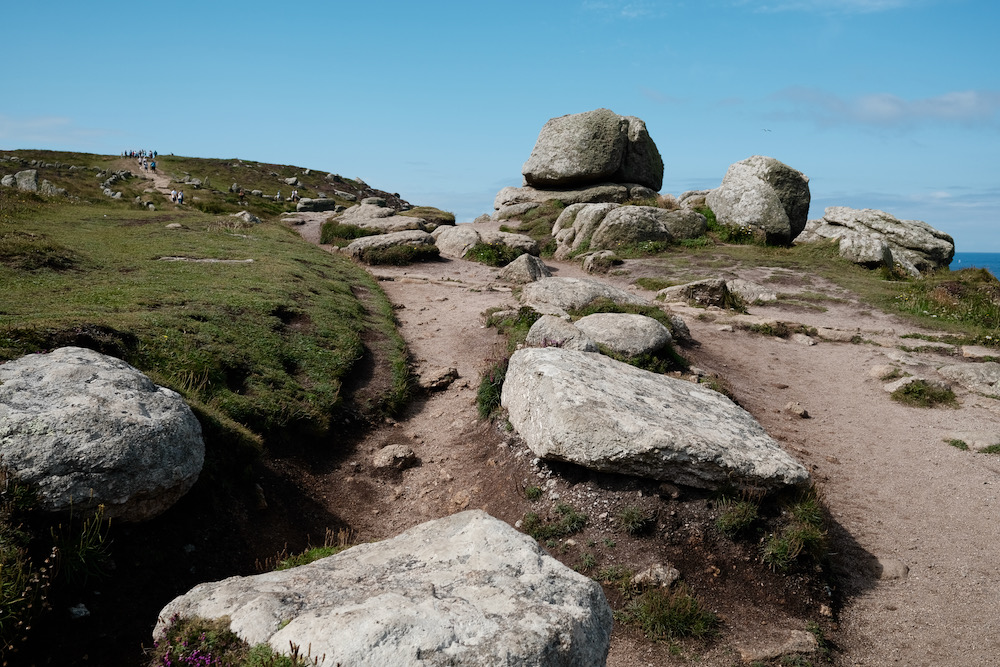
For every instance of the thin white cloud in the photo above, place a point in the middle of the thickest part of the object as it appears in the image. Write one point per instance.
(974, 108)
(634, 9)
(45, 130)
(829, 6)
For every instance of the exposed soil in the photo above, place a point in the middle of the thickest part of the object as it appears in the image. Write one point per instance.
(914, 579)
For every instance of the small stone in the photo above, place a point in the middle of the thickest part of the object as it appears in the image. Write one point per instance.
(796, 409)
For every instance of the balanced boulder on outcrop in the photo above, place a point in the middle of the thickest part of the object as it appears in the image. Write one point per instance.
(464, 590)
(609, 416)
(765, 195)
(594, 147)
(88, 430)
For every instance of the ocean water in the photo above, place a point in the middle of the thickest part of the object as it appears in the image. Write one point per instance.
(981, 260)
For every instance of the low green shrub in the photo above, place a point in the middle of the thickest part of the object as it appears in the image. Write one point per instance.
(634, 520)
(493, 254)
(800, 537)
(737, 516)
(991, 449)
(491, 387)
(923, 394)
(200, 642)
(400, 255)
(566, 521)
(958, 444)
(669, 614)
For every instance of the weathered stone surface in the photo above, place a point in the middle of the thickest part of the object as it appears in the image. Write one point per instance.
(764, 194)
(600, 261)
(525, 269)
(751, 292)
(593, 147)
(631, 225)
(661, 575)
(709, 292)
(8, 181)
(865, 251)
(27, 180)
(606, 415)
(412, 237)
(246, 217)
(394, 457)
(513, 202)
(89, 429)
(553, 331)
(310, 205)
(914, 244)
(369, 215)
(576, 225)
(625, 333)
(554, 296)
(464, 590)
(981, 378)
(457, 240)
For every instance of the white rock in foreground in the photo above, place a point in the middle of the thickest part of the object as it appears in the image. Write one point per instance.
(464, 590)
(608, 416)
(90, 429)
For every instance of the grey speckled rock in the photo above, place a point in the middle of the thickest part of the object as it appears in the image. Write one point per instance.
(625, 333)
(414, 237)
(981, 378)
(552, 331)
(606, 415)
(765, 194)
(464, 590)
(90, 429)
(554, 296)
(594, 147)
(525, 269)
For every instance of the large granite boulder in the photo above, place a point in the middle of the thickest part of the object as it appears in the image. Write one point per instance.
(555, 296)
(981, 378)
(372, 213)
(316, 205)
(88, 430)
(27, 180)
(765, 195)
(513, 203)
(610, 226)
(364, 247)
(464, 590)
(593, 147)
(914, 245)
(525, 269)
(609, 416)
(457, 240)
(625, 333)
(553, 331)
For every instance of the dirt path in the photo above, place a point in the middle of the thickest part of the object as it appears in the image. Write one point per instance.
(916, 520)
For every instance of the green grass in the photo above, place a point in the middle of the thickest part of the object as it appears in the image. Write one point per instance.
(565, 521)
(430, 214)
(514, 325)
(667, 615)
(537, 223)
(923, 394)
(991, 449)
(634, 520)
(958, 444)
(493, 254)
(490, 387)
(801, 536)
(201, 641)
(737, 516)
(334, 233)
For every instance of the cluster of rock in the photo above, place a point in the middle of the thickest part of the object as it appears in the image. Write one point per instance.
(87, 430)
(611, 226)
(26, 180)
(467, 589)
(874, 238)
(596, 156)
(572, 405)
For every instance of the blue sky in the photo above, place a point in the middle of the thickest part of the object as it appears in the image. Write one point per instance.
(890, 104)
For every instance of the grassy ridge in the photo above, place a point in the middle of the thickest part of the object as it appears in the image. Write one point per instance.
(263, 335)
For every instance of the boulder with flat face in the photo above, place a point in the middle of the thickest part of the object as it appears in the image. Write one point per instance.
(609, 416)
(465, 590)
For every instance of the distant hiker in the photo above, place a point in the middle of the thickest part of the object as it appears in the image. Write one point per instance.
(173, 196)
(242, 195)
(152, 165)
(180, 196)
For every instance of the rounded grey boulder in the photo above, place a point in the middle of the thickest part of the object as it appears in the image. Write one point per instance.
(89, 429)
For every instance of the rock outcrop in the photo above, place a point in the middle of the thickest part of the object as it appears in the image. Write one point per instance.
(89, 429)
(464, 590)
(594, 147)
(552, 331)
(611, 226)
(596, 156)
(554, 296)
(866, 234)
(457, 240)
(605, 415)
(525, 269)
(765, 195)
(625, 333)
(372, 213)
(363, 247)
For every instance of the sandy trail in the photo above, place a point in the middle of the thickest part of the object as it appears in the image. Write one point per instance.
(917, 519)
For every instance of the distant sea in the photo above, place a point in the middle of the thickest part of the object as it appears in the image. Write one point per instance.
(981, 260)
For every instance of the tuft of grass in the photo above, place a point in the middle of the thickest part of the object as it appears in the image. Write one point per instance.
(533, 493)
(923, 394)
(564, 522)
(201, 642)
(491, 387)
(333, 544)
(493, 254)
(737, 516)
(958, 444)
(335, 233)
(991, 449)
(801, 537)
(513, 324)
(634, 520)
(400, 255)
(665, 615)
